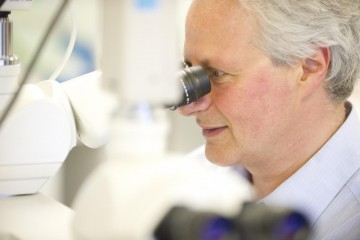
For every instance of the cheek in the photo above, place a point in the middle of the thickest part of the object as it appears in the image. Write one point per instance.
(269, 91)
(257, 106)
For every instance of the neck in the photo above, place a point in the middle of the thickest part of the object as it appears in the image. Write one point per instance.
(298, 149)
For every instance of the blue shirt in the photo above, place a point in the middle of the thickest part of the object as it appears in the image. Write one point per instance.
(327, 187)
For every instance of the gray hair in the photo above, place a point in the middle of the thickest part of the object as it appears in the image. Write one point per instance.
(291, 30)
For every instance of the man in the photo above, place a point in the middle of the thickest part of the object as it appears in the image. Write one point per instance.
(281, 72)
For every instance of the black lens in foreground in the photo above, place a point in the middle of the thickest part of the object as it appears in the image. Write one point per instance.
(184, 224)
(254, 222)
(217, 228)
(292, 226)
(262, 222)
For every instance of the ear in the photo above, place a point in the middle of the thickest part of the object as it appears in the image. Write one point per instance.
(315, 69)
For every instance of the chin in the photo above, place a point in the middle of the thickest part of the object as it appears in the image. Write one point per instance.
(220, 156)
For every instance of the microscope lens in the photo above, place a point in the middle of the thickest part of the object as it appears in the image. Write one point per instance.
(195, 84)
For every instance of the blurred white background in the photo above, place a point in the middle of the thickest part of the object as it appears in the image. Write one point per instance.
(29, 27)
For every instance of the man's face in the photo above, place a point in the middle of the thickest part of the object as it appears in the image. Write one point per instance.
(248, 117)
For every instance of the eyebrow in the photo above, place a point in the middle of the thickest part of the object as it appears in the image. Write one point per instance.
(204, 63)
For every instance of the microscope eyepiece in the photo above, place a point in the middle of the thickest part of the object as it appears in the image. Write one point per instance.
(195, 84)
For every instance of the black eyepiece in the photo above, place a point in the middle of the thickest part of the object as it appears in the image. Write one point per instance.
(195, 84)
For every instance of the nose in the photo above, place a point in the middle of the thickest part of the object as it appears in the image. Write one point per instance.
(196, 107)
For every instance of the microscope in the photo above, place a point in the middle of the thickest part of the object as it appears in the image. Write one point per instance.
(47, 120)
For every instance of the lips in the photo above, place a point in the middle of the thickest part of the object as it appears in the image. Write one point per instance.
(212, 132)
(211, 129)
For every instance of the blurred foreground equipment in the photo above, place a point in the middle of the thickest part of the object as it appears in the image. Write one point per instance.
(254, 222)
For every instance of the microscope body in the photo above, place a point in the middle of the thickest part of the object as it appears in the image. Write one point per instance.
(39, 130)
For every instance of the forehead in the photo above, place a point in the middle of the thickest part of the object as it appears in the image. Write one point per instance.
(218, 25)
(214, 11)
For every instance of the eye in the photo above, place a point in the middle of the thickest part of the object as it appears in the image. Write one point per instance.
(215, 73)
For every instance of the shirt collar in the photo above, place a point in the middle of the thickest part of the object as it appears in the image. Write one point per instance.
(311, 189)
